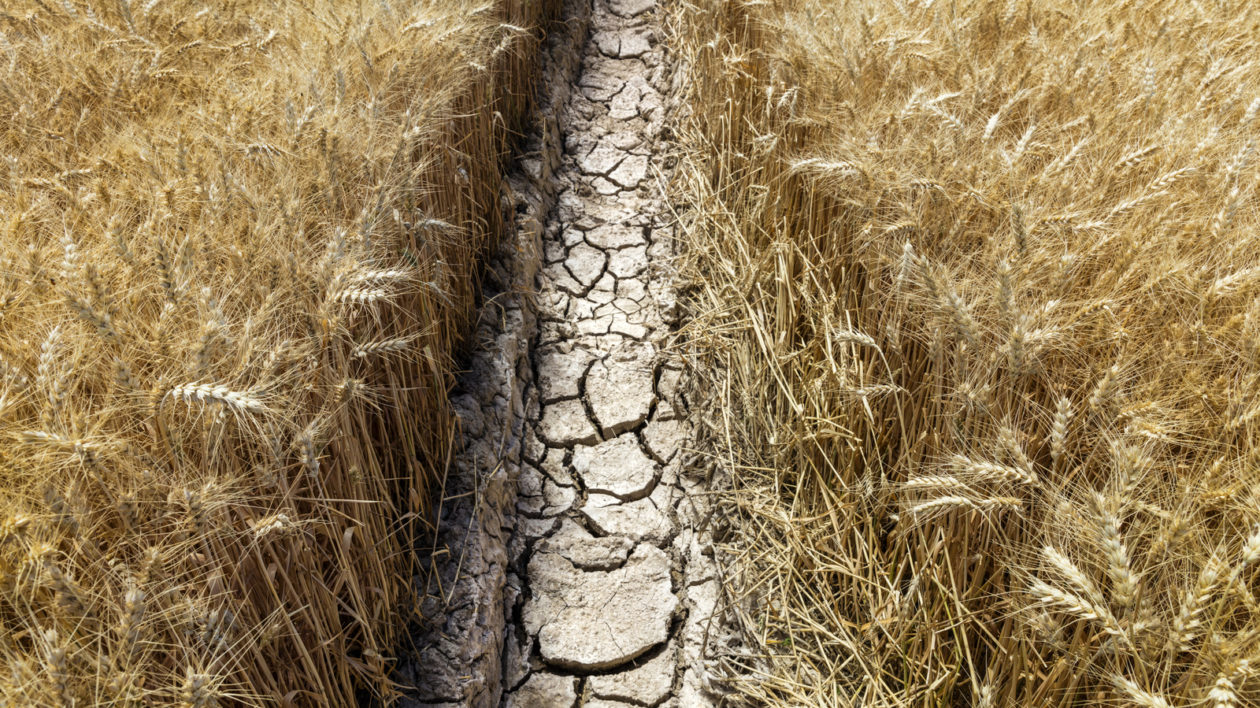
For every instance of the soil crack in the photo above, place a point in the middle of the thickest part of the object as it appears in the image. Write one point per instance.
(606, 581)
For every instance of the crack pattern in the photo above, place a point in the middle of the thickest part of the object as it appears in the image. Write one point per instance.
(573, 564)
(612, 583)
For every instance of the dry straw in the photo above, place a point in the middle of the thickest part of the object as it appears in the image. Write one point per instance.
(1044, 216)
(238, 246)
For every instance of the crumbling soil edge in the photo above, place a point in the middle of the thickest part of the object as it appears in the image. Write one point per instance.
(457, 654)
(574, 564)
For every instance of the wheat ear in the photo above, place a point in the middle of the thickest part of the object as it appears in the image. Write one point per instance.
(992, 470)
(1186, 624)
(1123, 580)
(1072, 572)
(1139, 697)
(1223, 694)
(210, 393)
(1076, 605)
(1105, 389)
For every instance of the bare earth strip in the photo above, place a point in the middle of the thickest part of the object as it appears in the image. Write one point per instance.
(614, 590)
(599, 587)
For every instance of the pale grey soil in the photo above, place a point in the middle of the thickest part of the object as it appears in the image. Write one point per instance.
(574, 567)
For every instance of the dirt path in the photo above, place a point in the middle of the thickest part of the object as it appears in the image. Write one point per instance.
(613, 588)
(598, 587)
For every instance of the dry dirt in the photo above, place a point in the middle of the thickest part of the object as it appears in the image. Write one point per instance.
(574, 567)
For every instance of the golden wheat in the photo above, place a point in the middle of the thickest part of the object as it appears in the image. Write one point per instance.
(239, 245)
(1044, 215)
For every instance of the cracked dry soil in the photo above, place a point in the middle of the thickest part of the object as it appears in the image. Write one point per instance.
(573, 566)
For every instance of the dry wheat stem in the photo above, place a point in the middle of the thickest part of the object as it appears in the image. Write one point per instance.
(1042, 215)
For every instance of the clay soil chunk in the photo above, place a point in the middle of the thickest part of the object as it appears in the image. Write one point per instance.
(591, 621)
(560, 373)
(620, 390)
(611, 236)
(584, 550)
(630, 172)
(625, 43)
(604, 552)
(664, 438)
(641, 519)
(601, 160)
(585, 264)
(564, 423)
(629, 262)
(645, 685)
(630, 8)
(544, 690)
(617, 467)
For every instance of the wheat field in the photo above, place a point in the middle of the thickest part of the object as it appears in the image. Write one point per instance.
(973, 291)
(974, 287)
(238, 248)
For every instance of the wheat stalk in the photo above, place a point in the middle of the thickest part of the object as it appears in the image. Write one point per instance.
(58, 667)
(1251, 549)
(1059, 429)
(1135, 158)
(360, 295)
(1080, 313)
(935, 482)
(200, 690)
(129, 627)
(156, 250)
(846, 336)
(1009, 442)
(51, 376)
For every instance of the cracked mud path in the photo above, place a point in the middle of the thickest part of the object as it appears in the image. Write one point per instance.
(572, 565)
(611, 585)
